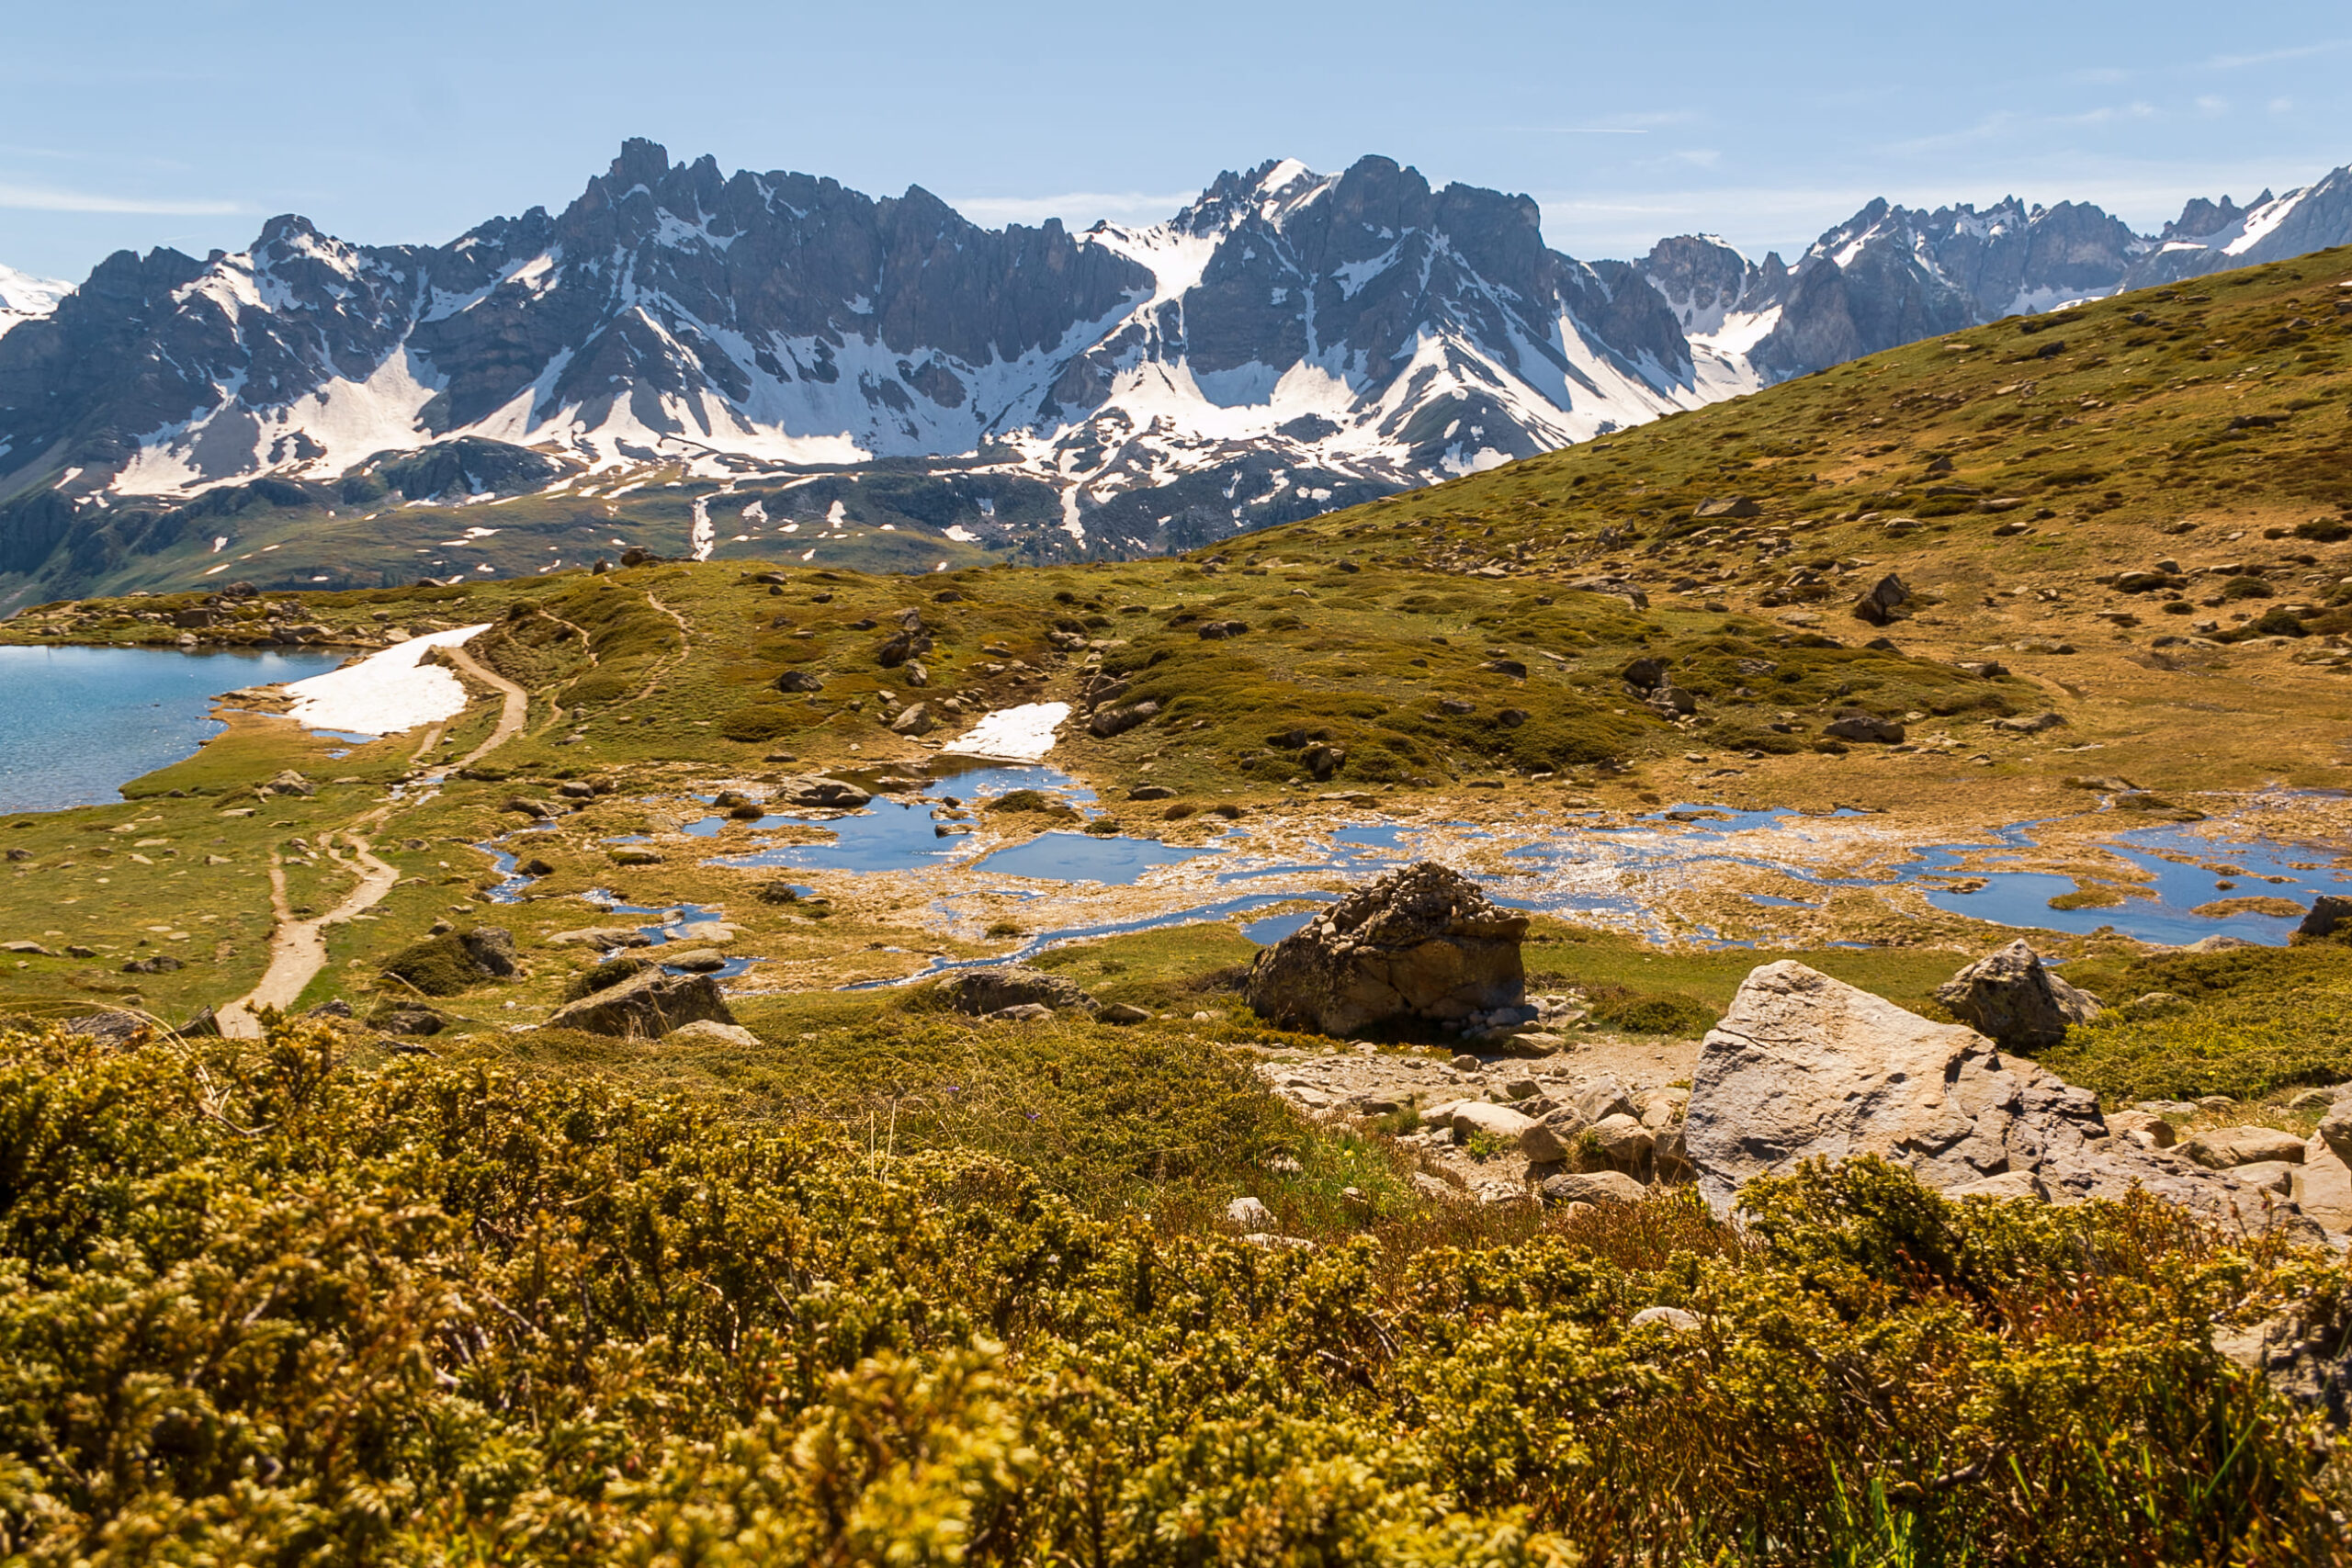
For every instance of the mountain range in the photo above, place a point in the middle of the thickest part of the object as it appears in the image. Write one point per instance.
(1288, 343)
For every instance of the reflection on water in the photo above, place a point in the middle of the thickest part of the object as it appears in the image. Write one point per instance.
(80, 722)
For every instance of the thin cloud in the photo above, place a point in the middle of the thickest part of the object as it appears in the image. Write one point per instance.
(2269, 57)
(48, 198)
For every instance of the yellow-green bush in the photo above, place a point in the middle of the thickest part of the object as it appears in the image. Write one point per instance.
(260, 1308)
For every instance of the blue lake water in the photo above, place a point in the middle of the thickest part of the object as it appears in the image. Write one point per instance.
(80, 722)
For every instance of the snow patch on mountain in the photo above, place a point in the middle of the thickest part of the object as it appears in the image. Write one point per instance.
(24, 297)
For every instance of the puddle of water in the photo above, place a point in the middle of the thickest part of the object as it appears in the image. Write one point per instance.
(1113, 861)
(1274, 927)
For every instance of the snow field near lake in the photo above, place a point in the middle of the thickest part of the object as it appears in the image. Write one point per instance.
(1021, 734)
(386, 691)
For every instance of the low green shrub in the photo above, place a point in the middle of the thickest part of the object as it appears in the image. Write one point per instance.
(262, 1308)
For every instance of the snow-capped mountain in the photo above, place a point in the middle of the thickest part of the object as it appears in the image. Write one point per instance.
(2210, 237)
(24, 297)
(1288, 341)
(1890, 275)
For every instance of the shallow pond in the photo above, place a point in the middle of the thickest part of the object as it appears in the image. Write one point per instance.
(80, 722)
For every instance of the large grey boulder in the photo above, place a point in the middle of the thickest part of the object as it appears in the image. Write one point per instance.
(647, 1006)
(1805, 1066)
(1420, 943)
(2012, 998)
(983, 991)
(817, 791)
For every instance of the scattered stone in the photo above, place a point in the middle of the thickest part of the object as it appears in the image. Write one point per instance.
(492, 951)
(916, 719)
(1673, 1319)
(334, 1007)
(693, 960)
(2144, 1127)
(647, 1006)
(1864, 726)
(1123, 1012)
(798, 681)
(1593, 1186)
(1110, 721)
(816, 790)
(2225, 1148)
(162, 963)
(1151, 792)
(601, 937)
(2034, 725)
(982, 992)
(410, 1020)
(2012, 998)
(1022, 1012)
(703, 1030)
(1423, 941)
(290, 782)
(1248, 1214)
(1467, 1063)
(2270, 1175)
(1615, 1142)
(32, 947)
(1885, 596)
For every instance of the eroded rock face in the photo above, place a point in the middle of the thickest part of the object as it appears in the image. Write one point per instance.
(1420, 943)
(984, 991)
(2010, 997)
(1805, 1066)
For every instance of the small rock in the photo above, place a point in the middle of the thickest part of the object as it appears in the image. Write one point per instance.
(1248, 1214)
(2152, 1130)
(693, 960)
(2225, 1148)
(1467, 1063)
(709, 1030)
(2328, 911)
(1022, 1012)
(1123, 1012)
(601, 937)
(33, 947)
(1671, 1318)
(1593, 1186)
(2269, 1175)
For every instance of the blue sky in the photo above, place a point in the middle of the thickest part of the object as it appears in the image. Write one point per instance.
(130, 123)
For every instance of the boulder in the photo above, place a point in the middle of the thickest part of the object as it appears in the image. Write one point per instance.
(601, 937)
(816, 790)
(1471, 1118)
(2322, 1185)
(984, 991)
(1887, 595)
(1867, 726)
(490, 949)
(798, 681)
(2145, 1128)
(1420, 943)
(290, 782)
(693, 960)
(1616, 1143)
(1593, 1186)
(1107, 722)
(1805, 1066)
(2328, 911)
(916, 719)
(646, 1006)
(2225, 1148)
(2010, 997)
(709, 1031)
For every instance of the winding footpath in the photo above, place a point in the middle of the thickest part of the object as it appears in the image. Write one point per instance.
(297, 949)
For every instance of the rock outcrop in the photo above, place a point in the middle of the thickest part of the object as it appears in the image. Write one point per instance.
(984, 991)
(1805, 1066)
(647, 1006)
(1422, 943)
(2010, 997)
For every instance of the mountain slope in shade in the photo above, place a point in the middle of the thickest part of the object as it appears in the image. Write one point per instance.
(24, 297)
(1288, 341)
